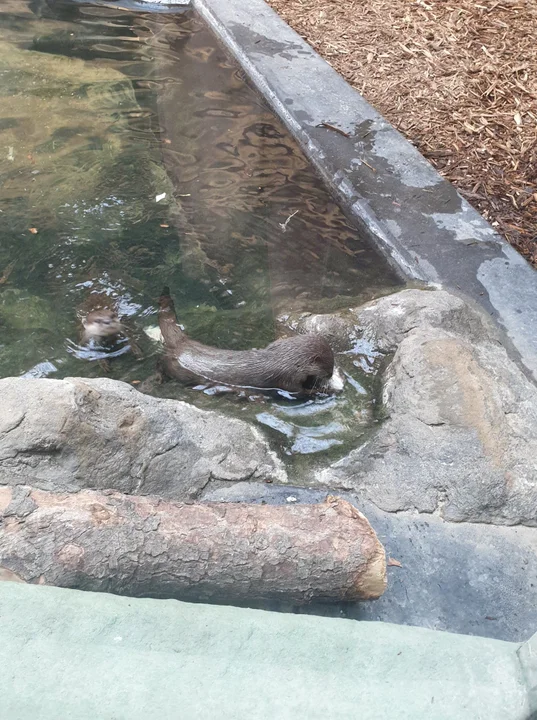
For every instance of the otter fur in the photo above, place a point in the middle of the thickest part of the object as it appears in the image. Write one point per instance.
(101, 326)
(303, 364)
(102, 331)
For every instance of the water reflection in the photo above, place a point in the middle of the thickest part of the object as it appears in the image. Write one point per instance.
(133, 155)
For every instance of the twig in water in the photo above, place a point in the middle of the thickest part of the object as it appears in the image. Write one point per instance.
(286, 223)
(7, 272)
(328, 126)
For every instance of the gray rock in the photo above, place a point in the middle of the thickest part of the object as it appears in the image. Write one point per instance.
(460, 436)
(64, 435)
(387, 321)
(466, 578)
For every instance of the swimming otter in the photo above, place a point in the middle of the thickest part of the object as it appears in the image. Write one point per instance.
(102, 326)
(303, 364)
(102, 334)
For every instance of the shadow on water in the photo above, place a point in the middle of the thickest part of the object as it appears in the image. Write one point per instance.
(132, 155)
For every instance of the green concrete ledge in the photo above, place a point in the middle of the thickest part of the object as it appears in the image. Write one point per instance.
(90, 656)
(527, 654)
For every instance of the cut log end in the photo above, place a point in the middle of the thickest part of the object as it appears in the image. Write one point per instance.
(370, 581)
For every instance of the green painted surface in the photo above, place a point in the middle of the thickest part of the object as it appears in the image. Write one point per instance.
(527, 655)
(88, 656)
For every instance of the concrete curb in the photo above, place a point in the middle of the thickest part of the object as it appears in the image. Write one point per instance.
(90, 655)
(418, 220)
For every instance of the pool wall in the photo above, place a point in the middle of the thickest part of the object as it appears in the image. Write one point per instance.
(418, 220)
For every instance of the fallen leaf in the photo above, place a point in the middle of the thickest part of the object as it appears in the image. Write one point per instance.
(164, 225)
(394, 562)
(518, 119)
(168, 142)
(33, 231)
(135, 382)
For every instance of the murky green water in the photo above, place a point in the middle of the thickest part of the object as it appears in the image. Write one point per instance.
(133, 155)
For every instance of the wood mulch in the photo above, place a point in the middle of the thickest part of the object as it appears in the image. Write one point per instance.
(458, 78)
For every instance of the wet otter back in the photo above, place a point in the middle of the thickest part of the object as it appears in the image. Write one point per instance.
(297, 364)
(293, 364)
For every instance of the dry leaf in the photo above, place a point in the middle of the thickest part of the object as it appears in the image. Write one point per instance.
(518, 119)
(164, 225)
(394, 562)
(135, 382)
(33, 231)
(167, 141)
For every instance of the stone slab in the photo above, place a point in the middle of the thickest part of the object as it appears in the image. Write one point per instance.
(89, 656)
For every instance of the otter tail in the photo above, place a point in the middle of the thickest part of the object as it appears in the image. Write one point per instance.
(167, 320)
(165, 300)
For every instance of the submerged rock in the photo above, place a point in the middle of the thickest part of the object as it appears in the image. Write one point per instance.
(65, 435)
(460, 434)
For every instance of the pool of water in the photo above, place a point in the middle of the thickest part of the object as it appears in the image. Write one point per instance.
(133, 154)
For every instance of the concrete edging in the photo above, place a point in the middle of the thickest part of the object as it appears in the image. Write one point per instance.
(89, 655)
(418, 220)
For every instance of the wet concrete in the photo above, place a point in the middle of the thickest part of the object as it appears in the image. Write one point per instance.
(417, 218)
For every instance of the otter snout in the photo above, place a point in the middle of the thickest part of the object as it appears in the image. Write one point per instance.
(101, 324)
(336, 382)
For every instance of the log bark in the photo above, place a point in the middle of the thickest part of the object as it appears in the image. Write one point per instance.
(224, 552)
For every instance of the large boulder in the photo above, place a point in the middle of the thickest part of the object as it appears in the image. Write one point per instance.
(385, 322)
(459, 436)
(78, 433)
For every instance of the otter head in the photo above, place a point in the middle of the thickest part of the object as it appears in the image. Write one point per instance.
(101, 324)
(319, 381)
(308, 365)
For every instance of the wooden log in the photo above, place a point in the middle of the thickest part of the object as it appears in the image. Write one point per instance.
(224, 552)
